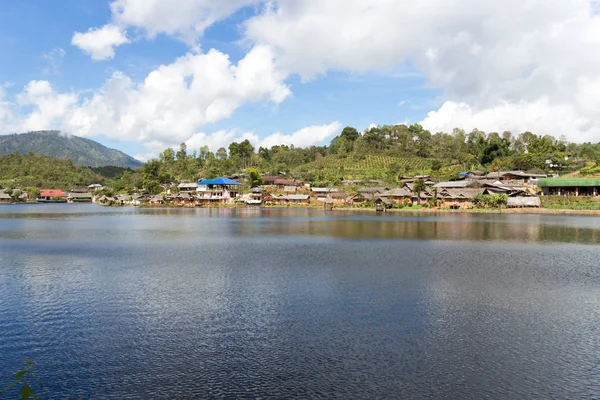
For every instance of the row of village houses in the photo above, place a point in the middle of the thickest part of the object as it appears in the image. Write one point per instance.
(520, 187)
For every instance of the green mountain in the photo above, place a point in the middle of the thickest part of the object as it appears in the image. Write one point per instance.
(79, 150)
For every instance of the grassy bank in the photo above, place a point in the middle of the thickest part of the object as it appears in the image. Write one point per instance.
(570, 203)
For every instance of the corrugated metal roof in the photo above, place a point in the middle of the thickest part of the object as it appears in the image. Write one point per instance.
(80, 195)
(453, 184)
(297, 196)
(323, 190)
(188, 185)
(568, 182)
(219, 181)
(524, 202)
(51, 193)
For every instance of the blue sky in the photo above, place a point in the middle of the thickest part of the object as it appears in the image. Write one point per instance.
(140, 75)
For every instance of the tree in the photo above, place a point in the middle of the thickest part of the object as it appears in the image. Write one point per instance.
(167, 156)
(393, 171)
(33, 192)
(182, 153)
(418, 188)
(204, 152)
(254, 178)
(221, 154)
(350, 134)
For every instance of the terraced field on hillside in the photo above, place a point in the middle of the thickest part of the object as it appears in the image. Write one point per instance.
(372, 166)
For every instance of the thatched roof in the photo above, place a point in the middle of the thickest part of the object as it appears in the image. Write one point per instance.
(373, 189)
(398, 192)
(383, 200)
(466, 193)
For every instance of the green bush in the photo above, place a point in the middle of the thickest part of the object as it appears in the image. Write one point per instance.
(490, 200)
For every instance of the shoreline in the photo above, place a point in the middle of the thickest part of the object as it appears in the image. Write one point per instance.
(531, 211)
(538, 211)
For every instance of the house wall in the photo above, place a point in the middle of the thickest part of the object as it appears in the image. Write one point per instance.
(462, 203)
(571, 191)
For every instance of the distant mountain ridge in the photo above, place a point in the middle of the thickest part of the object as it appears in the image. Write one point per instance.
(79, 150)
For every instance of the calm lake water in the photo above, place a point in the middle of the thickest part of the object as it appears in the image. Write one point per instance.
(128, 303)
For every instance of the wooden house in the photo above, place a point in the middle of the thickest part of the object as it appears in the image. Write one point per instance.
(78, 197)
(298, 198)
(220, 190)
(52, 196)
(569, 186)
(398, 195)
(459, 198)
(5, 198)
(188, 187)
(320, 193)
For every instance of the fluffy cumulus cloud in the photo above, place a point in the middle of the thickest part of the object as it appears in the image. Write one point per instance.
(49, 107)
(166, 108)
(100, 43)
(6, 113)
(308, 136)
(512, 116)
(176, 99)
(518, 65)
(487, 56)
(184, 19)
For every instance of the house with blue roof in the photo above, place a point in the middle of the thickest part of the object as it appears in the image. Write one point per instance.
(219, 190)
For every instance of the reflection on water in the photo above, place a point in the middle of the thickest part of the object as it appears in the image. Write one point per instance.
(250, 221)
(248, 303)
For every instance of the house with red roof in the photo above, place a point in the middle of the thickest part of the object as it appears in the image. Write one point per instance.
(52, 196)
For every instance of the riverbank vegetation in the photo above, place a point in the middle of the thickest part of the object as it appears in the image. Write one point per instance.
(570, 203)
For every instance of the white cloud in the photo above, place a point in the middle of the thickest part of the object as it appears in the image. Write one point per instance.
(54, 58)
(218, 139)
(100, 43)
(520, 65)
(6, 113)
(304, 137)
(308, 136)
(477, 53)
(515, 117)
(168, 107)
(185, 19)
(176, 99)
(49, 107)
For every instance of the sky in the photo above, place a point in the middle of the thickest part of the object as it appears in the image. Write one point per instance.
(144, 75)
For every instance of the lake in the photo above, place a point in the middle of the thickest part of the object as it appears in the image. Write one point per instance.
(131, 303)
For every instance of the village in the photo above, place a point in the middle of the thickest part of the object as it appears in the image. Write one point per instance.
(472, 190)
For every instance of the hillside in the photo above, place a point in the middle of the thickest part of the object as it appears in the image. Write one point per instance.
(369, 166)
(79, 150)
(31, 170)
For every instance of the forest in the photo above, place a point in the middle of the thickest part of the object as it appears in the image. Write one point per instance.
(385, 152)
